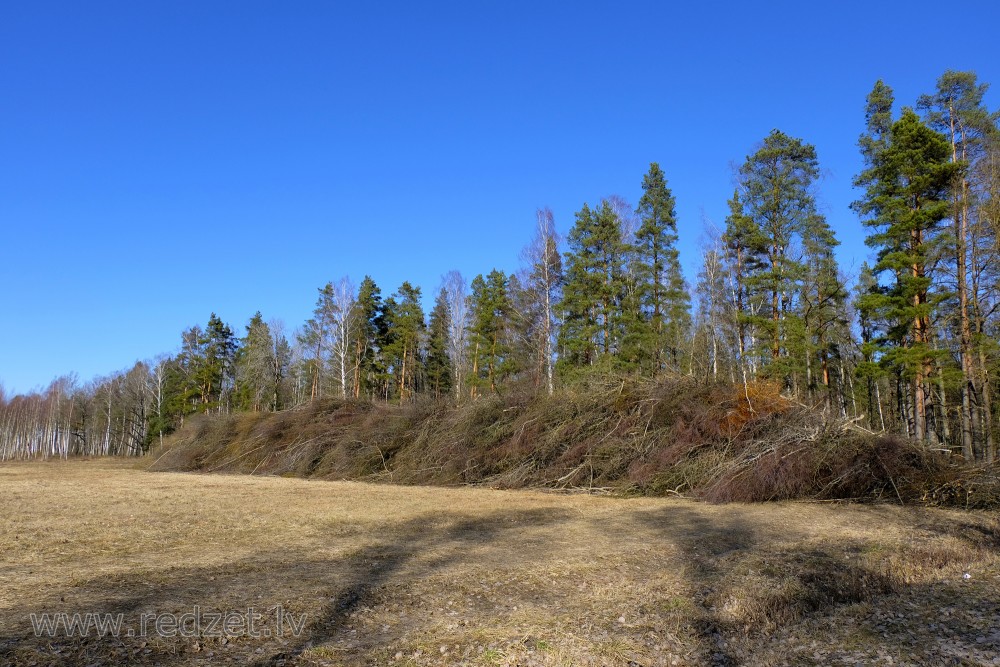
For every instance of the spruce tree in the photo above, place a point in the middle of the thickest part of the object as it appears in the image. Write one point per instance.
(439, 371)
(663, 298)
(872, 144)
(595, 287)
(489, 339)
(403, 347)
(213, 367)
(182, 386)
(281, 358)
(744, 244)
(823, 301)
(255, 365)
(872, 372)
(369, 333)
(317, 339)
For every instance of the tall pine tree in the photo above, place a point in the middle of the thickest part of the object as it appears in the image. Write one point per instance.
(775, 205)
(905, 202)
(956, 110)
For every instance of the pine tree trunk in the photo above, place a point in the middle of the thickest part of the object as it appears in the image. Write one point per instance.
(961, 227)
(919, 407)
(987, 408)
(843, 398)
(493, 358)
(775, 317)
(809, 391)
(825, 364)
(904, 400)
(402, 378)
(943, 410)
(942, 402)
(475, 372)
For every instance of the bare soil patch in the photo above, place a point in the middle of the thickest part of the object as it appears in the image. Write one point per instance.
(394, 575)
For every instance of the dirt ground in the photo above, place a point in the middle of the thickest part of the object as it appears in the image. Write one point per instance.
(389, 575)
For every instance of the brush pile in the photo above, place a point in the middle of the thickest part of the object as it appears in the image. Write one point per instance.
(716, 441)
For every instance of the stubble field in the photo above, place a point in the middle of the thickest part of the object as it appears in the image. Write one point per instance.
(393, 575)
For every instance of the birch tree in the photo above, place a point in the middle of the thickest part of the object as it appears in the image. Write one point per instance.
(541, 286)
(456, 294)
(344, 312)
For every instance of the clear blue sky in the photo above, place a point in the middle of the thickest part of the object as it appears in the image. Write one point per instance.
(163, 160)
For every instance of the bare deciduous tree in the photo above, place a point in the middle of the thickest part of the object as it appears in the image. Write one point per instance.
(457, 291)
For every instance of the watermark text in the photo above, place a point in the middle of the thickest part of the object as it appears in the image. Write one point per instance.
(198, 622)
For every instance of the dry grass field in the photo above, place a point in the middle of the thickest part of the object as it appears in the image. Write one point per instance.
(392, 575)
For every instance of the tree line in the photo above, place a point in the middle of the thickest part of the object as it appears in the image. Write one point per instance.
(909, 345)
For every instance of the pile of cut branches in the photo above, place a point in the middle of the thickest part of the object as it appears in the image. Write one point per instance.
(712, 440)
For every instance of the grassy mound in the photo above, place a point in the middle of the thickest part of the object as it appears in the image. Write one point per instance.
(711, 440)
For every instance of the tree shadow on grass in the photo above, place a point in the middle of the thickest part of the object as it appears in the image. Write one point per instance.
(705, 542)
(321, 593)
(755, 586)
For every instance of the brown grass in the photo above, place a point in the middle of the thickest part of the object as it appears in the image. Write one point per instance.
(441, 576)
